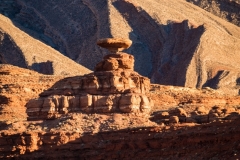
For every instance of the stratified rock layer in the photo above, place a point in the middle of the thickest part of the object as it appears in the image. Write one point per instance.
(113, 87)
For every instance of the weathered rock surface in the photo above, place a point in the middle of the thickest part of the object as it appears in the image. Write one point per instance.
(170, 45)
(192, 106)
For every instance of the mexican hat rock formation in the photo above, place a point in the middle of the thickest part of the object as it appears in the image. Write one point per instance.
(113, 87)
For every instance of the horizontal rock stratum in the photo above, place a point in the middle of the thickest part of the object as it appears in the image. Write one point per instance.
(174, 42)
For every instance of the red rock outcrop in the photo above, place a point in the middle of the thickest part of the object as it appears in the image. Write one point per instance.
(113, 87)
(116, 135)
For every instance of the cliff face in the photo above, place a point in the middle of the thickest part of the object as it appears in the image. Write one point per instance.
(174, 42)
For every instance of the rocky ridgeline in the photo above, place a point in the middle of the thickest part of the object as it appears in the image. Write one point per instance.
(113, 87)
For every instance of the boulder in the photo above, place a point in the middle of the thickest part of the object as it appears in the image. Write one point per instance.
(164, 115)
(202, 110)
(145, 105)
(178, 112)
(173, 119)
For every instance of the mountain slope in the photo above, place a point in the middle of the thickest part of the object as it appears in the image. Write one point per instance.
(20, 49)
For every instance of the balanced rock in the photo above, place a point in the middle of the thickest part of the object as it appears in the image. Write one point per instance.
(113, 87)
(114, 44)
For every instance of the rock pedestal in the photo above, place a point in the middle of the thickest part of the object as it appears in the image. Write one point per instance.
(113, 87)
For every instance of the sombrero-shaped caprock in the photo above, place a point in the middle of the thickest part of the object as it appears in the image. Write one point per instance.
(114, 44)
